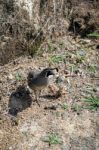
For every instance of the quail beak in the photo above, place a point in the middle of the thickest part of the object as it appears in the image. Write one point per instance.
(56, 69)
(51, 72)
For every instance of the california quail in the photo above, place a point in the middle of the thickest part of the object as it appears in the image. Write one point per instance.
(38, 80)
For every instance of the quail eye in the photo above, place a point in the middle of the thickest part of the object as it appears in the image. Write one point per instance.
(47, 74)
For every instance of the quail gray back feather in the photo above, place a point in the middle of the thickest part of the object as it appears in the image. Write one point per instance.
(34, 79)
(38, 79)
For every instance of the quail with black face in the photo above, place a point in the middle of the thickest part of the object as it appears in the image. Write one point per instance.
(38, 80)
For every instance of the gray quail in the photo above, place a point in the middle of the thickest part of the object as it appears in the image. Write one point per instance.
(38, 80)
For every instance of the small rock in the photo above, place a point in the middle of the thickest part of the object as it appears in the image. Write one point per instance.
(29, 57)
(65, 147)
(96, 89)
(82, 52)
(10, 148)
(86, 41)
(60, 79)
(10, 77)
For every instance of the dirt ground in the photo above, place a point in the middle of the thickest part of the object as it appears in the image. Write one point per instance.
(25, 126)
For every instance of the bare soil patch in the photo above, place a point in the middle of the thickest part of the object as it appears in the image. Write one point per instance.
(26, 126)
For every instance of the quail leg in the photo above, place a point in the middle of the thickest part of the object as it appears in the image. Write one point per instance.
(36, 97)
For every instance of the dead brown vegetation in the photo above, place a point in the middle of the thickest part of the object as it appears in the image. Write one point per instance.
(18, 34)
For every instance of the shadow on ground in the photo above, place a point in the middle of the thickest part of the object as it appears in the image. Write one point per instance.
(19, 100)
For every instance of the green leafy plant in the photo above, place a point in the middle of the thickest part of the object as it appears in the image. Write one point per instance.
(96, 78)
(92, 103)
(52, 139)
(94, 34)
(57, 58)
(73, 68)
(65, 106)
(76, 107)
(79, 58)
(92, 68)
(57, 114)
(51, 47)
(61, 45)
(18, 77)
